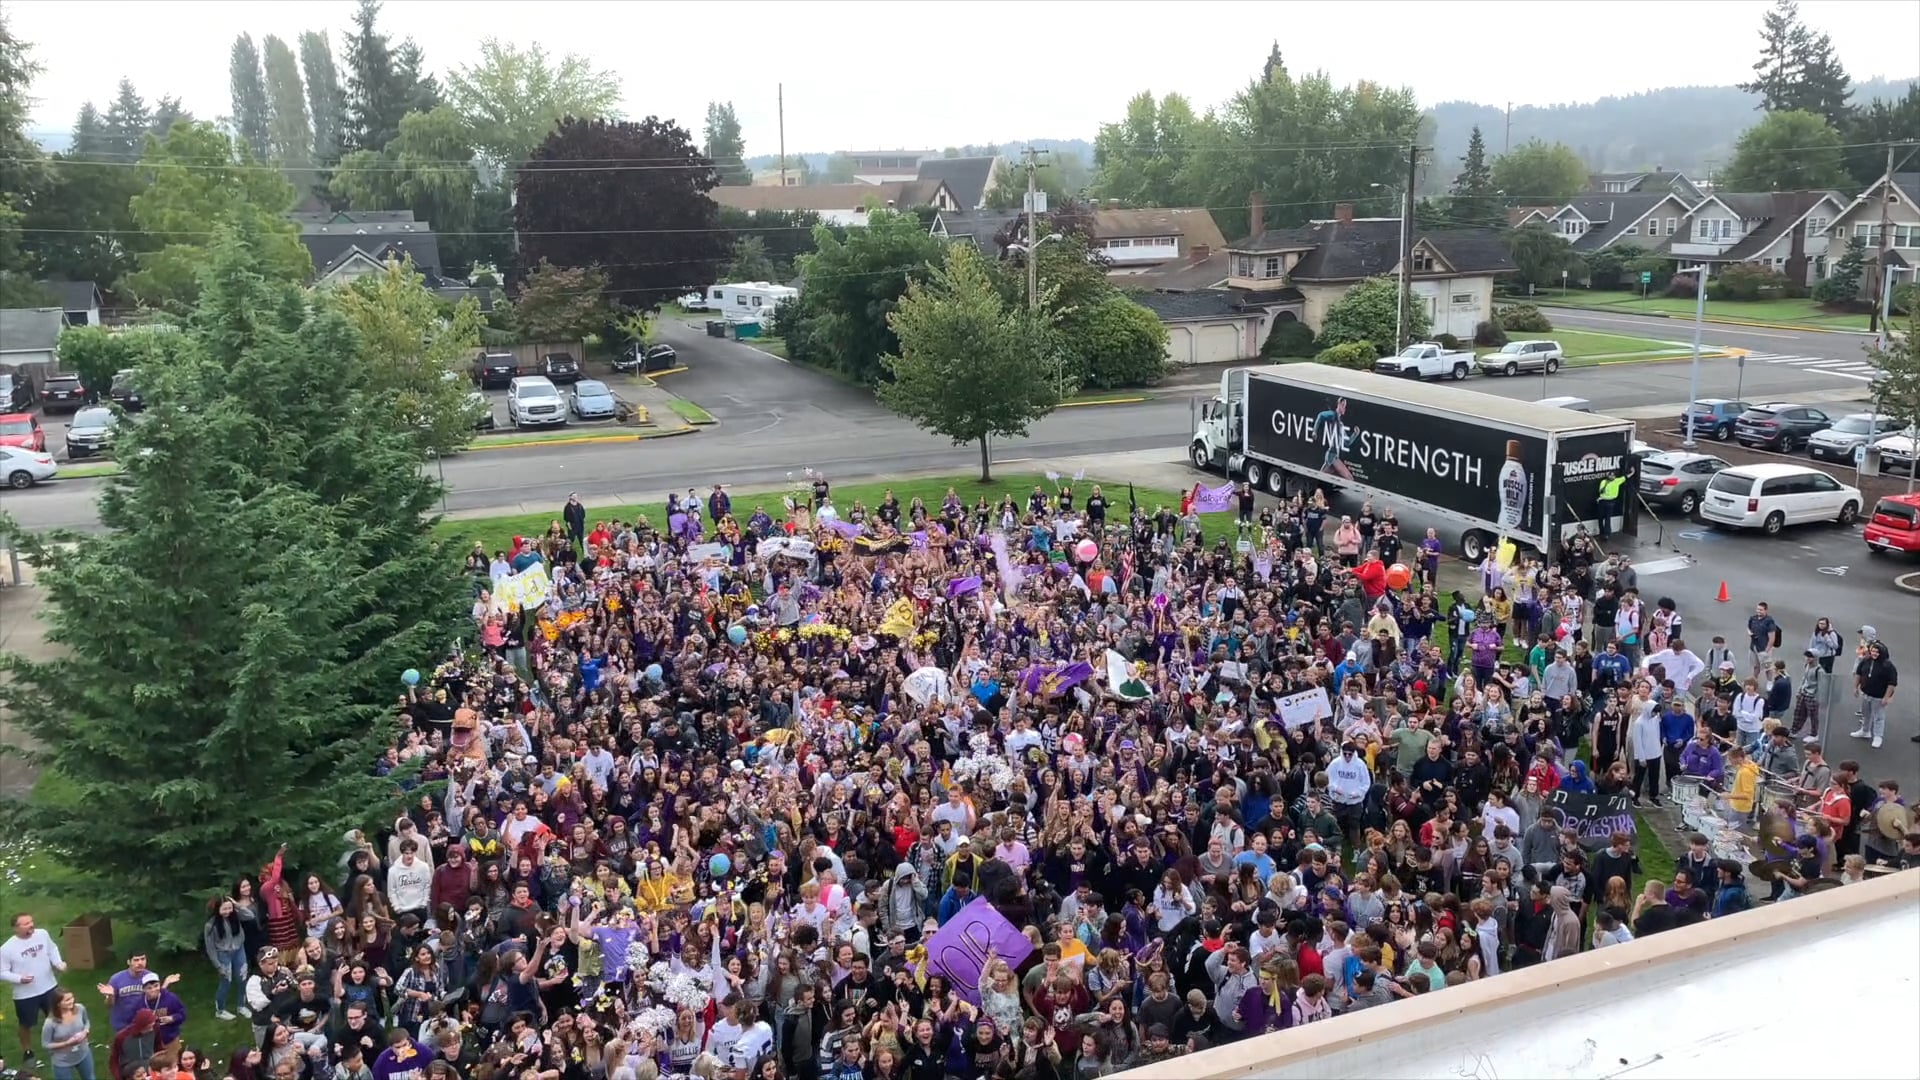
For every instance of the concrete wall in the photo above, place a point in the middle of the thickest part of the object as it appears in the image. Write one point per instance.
(1819, 986)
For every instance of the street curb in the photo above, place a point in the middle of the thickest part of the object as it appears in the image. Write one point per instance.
(640, 436)
(666, 371)
(1908, 582)
(1103, 401)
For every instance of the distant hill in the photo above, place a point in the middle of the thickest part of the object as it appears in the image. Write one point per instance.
(1688, 129)
(1011, 148)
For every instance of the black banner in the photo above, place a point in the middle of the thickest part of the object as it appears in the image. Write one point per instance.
(1496, 476)
(1583, 463)
(1596, 817)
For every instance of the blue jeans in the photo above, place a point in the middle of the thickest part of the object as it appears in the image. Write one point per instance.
(233, 973)
(82, 1071)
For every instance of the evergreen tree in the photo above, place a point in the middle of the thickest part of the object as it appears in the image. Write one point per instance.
(128, 122)
(1474, 199)
(325, 106)
(1783, 42)
(167, 112)
(418, 88)
(89, 133)
(375, 98)
(232, 639)
(1824, 85)
(292, 131)
(725, 147)
(22, 171)
(1843, 283)
(252, 112)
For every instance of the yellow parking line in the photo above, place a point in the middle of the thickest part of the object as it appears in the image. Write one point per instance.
(666, 371)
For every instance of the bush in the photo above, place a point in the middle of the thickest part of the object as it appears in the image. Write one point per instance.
(1447, 341)
(1354, 356)
(1288, 340)
(1744, 281)
(1682, 286)
(1489, 334)
(1522, 319)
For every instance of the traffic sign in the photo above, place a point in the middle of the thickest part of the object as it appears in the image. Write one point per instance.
(1646, 277)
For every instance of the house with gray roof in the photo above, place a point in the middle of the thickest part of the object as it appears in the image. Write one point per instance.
(349, 244)
(1597, 222)
(1790, 232)
(29, 340)
(1893, 200)
(969, 179)
(981, 228)
(1298, 273)
(80, 300)
(1645, 183)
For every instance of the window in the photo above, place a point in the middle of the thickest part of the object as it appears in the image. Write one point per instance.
(1672, 226)
(1422, 262)
(1869, 233)
(1270, 270)
(1703, 229)
(1816, 226)
(1463, 298)
(1726, 228)
(1906, 236)
(1653, 227)
(1632, 230)
(1243, 266)
(1819, 267)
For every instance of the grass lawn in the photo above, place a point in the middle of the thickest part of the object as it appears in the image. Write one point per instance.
(497, 532)
(688, 411)
(774, 345)
(1585, 347)
(1781, 311)
(89, 468)
(1656, 860)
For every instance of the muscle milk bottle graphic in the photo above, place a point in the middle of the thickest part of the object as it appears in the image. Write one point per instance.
(1513, 485)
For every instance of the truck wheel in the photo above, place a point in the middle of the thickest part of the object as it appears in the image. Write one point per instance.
(1511, 369)
(1459, 372)
(1253, 472)
(1200, 459)
(1473, 545)
(1553, 366)
(1277, 482)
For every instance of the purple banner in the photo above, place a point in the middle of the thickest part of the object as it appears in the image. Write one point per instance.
(962, 586)
(1212, 500)
(846, 531)
(960, 950)
(1050, 679)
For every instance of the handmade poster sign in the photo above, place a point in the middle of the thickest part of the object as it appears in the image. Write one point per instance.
(960, 950)
(1303, 708)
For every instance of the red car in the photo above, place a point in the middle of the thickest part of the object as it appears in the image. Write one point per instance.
(1895, 525)
(22, 430)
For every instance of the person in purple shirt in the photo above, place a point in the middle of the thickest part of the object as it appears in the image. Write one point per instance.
(403, 1059)
(169, 1012)
(126, 990)
(1702, 759)
(1485, 642)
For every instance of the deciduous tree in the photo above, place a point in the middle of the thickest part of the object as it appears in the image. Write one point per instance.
(561, 304)
(512, 98)
(252, 112)
(1896, 389)
(425, 168)
(326, 103)
(1142, 158)
(196, 179)
(725, 146)
(1537, 171)
(750, 261)
(233, 635)
(1112, 343)
(854, 282)
(1540, 256)
(574, 217)
(413, 354)
(1370, 312)
(1786, 151)
(968, 367)
(785, 235)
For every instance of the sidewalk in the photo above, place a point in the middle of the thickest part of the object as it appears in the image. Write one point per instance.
(22, 631)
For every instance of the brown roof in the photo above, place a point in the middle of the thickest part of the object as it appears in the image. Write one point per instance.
(1178, 275)
(1195, 226)
(820, 197)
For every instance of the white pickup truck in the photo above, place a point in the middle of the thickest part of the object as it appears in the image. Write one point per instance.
(1426, 360)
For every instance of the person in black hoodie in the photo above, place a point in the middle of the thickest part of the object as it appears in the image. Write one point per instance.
(1617, 861)
(1530, 923)
(801, 1031)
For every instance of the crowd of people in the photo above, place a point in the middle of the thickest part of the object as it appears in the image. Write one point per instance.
(710, 783)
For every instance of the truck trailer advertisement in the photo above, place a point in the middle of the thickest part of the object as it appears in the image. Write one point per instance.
(1469, 469)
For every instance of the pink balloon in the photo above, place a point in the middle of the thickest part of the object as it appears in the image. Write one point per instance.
(1087, 550)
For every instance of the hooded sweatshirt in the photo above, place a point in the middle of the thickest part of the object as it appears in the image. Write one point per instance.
(1563, 931)
(905, 896)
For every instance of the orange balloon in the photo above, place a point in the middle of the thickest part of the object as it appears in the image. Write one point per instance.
(1398, 576)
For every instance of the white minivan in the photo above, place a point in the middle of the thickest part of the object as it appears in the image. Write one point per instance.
(1772, 496)
(532, 399)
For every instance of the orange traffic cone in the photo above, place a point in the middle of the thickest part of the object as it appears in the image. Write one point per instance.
(1723, 597)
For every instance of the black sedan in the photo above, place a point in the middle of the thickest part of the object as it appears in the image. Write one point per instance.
(496, 371)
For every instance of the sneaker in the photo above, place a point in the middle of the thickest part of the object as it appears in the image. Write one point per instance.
(1876, 742)
(1857, 733)
(222, 1014)
(246, 1012)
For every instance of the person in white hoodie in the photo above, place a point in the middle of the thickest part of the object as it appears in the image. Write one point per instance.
(1682, 664)
(410, 883)
(28, 961)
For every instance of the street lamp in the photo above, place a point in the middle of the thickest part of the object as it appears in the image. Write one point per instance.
(1399, 305)
(1699, 323)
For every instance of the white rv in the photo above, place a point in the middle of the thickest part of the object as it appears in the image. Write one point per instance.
(749, 301)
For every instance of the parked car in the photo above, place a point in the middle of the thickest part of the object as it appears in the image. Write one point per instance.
(22, 468)
(124, 392)
(482, 407)
(22, 430)
(560, 367)
(1571, 404)
(592, 400)
(16, 392)
(1678, 478)
(1517, 356)
(1895, 525)
(91, 432)
(660, 358)
(1770, 496)
(532, 399)
(1841, 440)
(1712, 418)
(1427, 360)
(63, 393)
(1781, 426)
(495, 370)
(1896, 451)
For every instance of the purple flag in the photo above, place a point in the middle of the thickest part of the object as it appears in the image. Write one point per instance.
(977, 933)
(962, 586)
(1048, 680)
(847, 531)
(1212, 500)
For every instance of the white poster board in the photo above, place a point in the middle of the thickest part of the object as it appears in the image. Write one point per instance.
(1299, 710)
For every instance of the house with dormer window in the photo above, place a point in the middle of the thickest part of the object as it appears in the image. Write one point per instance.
(1790, 232)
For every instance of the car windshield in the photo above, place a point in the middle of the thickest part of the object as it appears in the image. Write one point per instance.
(1513, 348)
(123, 381)
(591, 388)
(93, 418)
(1857, 425)
(16, 427)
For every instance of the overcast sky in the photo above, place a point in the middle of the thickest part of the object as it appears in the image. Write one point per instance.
(923, 75)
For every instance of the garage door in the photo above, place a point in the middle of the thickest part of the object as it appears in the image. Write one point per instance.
(1179, 345)
(1218, 345)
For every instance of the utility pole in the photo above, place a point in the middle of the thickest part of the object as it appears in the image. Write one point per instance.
(782, 91)
(1403, 317)
(1032, 157)
(1885, 243)
(1506, 143)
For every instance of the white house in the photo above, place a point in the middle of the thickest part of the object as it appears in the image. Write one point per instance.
(1894, 200)
(1788, 231)
(840, 204)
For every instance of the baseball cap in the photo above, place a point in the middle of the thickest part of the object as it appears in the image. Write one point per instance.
(149, 978)
(1726, 665)
(1868, 631)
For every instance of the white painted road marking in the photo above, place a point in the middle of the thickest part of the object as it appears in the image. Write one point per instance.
(1664, 566)
(1846, 369)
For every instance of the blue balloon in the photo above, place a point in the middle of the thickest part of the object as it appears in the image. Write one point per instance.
(737, 635)
(719, 865)
(654, 672)
(410, 677)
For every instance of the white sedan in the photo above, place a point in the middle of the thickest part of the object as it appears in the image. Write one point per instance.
(1896, 452)
(22, 468)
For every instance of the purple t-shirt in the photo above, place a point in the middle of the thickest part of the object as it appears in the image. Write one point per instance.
(128, 997)
(408, 1061)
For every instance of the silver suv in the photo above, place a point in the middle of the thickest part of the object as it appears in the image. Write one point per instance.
(532, 400)
(1848, 434)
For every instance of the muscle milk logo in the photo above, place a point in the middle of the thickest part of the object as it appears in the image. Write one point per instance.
(1590, 467)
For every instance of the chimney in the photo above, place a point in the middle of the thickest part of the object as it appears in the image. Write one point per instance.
(1343, 213)
(1256, 214)
(1200, 253)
